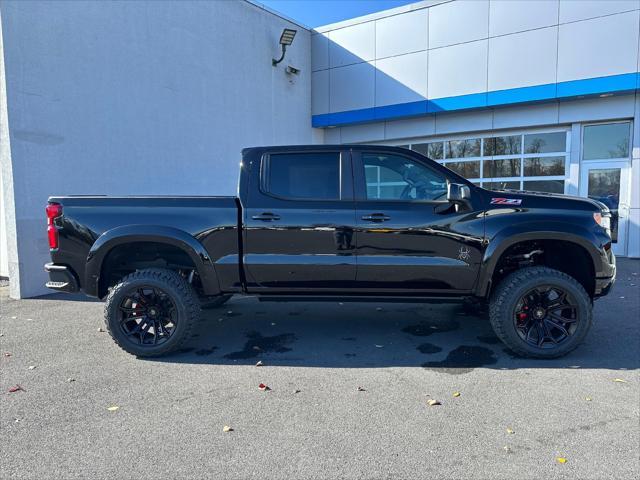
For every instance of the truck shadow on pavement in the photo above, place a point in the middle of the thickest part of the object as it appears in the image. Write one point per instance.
(440, 338)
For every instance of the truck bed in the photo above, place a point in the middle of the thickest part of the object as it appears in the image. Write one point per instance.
(212, 221)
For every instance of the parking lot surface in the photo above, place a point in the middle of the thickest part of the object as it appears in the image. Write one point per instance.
(349, 390)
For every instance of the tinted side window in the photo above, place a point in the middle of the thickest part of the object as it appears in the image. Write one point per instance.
(391, 177)
(304, 175)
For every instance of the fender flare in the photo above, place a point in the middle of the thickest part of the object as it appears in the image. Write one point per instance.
(149, 233)
(510, 236)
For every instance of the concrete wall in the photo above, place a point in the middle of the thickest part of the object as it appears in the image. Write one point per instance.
(426, 57)
(143, 97)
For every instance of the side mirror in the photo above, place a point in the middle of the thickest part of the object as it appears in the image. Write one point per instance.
(458, 193)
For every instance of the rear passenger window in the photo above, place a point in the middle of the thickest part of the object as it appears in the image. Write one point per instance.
(304, 175)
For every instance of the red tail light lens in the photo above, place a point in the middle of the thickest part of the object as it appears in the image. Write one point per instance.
(54, 210)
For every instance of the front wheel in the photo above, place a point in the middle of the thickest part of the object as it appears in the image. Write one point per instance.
(151, 312)
(539, 312)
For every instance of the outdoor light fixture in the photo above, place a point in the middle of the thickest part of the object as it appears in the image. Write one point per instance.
(286, 39)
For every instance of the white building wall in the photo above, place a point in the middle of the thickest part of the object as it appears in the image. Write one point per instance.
(123, 98)
(472, 47)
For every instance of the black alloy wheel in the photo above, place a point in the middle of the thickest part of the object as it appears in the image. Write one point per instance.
(148, 315)
(546, 316)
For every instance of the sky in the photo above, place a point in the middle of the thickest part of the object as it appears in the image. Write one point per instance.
(314, 13)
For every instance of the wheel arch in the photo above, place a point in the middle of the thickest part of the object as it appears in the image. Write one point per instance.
(159, 234)
(509, 238)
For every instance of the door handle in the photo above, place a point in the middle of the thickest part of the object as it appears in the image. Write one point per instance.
(266, 217)
(376, 217)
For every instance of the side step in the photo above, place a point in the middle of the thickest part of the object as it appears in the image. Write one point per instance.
(363, 298)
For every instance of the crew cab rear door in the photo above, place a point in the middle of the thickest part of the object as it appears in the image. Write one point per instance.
(409, 238)
(299, 222)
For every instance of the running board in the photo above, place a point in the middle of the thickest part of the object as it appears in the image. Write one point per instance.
(355, 298)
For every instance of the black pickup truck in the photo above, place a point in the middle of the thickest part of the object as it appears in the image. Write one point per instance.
(349, 222)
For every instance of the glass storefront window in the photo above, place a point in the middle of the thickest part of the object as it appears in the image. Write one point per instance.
(508, 145)
(463, 148)
(526, 161)
(550, 186)
(432, 150)
(543, 167)
(466, 169)
(545, 142)
(604, 186)
(502, 185)
(606, 141)
(502, 168)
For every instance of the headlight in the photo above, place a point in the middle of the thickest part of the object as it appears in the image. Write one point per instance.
(604, 222)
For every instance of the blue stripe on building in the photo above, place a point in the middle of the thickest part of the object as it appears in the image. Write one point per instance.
(627, 82)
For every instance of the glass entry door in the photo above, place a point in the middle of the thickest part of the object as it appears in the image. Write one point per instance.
(608, 182)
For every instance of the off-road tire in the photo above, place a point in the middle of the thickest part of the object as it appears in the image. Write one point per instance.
(504, 300)
(181, 293)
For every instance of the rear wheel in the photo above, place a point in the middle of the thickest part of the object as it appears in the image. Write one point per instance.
(540, 312)
(151, 312)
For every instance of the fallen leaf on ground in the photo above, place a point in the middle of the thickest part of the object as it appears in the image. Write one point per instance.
(263, 387)
(620, 380)
(456, 394)
(259, 363)
(227, 428)
(361, 389)
(510, 431)
(561, 460)
(32, 367)
(432, 402)
(16, 388)
(113, 408)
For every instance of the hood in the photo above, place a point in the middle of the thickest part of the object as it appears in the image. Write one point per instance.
(545, 200)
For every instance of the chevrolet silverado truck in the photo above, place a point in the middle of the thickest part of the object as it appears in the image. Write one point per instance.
(345, 222)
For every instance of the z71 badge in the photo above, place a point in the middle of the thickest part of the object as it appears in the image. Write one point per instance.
(506, 201)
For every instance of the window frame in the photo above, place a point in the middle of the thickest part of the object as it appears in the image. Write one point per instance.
(345, 181)
(360, 181)
(607, 159)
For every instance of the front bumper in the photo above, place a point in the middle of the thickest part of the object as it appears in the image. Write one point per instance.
(61, 278)
(604, 284)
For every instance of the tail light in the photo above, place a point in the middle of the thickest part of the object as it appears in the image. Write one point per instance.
(54, 210)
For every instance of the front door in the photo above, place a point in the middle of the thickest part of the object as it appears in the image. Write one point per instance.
(299, 223)
(409, 238)
(608, 182)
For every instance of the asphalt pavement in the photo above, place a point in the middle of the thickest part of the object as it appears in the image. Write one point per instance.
(349, 385)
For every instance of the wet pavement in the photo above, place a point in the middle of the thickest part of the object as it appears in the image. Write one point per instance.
(315, 422)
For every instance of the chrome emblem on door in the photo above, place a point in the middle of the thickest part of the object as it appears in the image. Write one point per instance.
(464, 254)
